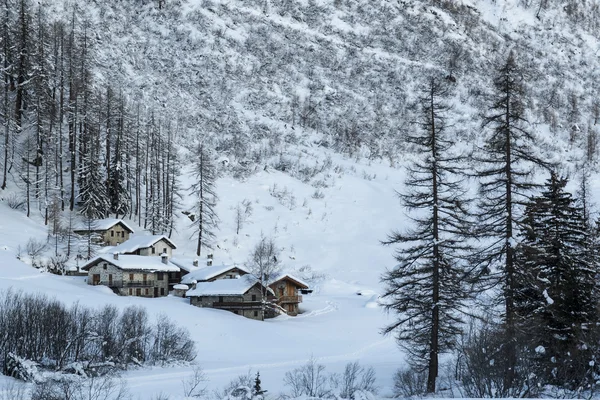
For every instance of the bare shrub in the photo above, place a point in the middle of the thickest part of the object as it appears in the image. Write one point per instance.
(318, 194)
(15, 201)
(308, 380)
(193, 386)
(355, 378)
(408, 383)
(34, 248)
(482, 365)
(171, 342)
(77, 388)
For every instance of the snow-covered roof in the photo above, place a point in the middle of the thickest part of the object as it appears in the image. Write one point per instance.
(221, 287)
(186, 264)
(137, 242)
(107, 223)
(131, 263)
(299, 282)
(181, 287)
(207, 273)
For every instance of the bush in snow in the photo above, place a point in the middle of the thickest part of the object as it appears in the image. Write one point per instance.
(37, 330)
(408, 383)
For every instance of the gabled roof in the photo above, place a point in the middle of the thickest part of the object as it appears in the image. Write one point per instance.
(207, 273)
(298, 282)
(133, 263)
(186, 264)
(105, 224)
(222, 287)
(141, 242)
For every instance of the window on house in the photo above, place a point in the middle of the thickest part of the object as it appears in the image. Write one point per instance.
(159, 276)
(104, 266)
(153, 250)
(220, 299)
(112, 233)
(130, 277)
(162, 291)
(147, 292)
(130, 291)
(253, 297)
(138, 292)
(256, 313)
(123, 234)
(164, 250)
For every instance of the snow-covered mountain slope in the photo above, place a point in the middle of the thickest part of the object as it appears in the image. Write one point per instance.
(239, 70)
(337, 236)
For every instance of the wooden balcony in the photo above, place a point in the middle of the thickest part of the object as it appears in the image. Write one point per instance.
(127, 284)
(241, 305)
(289, 299)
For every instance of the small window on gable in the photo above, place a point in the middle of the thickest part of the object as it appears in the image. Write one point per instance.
(253, 297)
(123, 234)
(164, 250)
(112, 233)
(104, 266)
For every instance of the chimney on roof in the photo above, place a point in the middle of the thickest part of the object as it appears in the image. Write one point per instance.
(195, 263)
(165, 258)
(194, 284)
(209, 256)
(116, 256)
(209, 262)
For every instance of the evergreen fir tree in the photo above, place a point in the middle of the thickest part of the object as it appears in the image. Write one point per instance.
(563, 270)
(426, 289)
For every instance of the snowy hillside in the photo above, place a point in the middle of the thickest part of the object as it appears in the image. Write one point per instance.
(337, 236)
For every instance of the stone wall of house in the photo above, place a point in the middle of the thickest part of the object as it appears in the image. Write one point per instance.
(159, 247)
(122, 280)
(104, 269)
(115, 235)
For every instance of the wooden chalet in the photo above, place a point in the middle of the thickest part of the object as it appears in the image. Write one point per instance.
(287, 293)
(240, 296)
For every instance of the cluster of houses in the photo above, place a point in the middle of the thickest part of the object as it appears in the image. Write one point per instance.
(142, 265)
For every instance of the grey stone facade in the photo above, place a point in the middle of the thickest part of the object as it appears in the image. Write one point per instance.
(129, 282)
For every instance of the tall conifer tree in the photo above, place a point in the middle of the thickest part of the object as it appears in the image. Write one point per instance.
(426, 289)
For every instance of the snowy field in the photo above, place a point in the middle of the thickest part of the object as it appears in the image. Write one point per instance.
(337, 236)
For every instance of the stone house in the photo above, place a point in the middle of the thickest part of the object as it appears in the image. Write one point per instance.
(240, 296)
(146, 245)
(287, 293)
(108, 231)
(131, 275)
(213, 273)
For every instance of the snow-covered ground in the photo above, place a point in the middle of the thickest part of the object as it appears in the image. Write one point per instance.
(338, 236)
